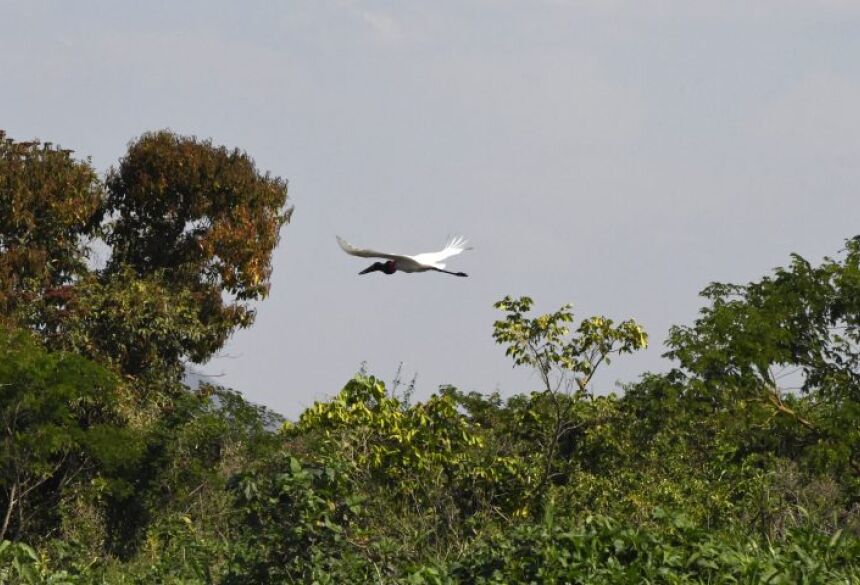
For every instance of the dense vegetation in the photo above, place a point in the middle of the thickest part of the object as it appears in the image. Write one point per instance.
(113, 470)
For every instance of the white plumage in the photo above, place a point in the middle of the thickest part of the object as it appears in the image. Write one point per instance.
(406, 263)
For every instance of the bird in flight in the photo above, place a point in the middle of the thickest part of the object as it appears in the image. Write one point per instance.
(404, 263)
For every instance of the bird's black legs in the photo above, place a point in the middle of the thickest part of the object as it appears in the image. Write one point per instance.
(451, 273)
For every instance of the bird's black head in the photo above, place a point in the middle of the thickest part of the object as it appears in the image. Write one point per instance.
(386, 267)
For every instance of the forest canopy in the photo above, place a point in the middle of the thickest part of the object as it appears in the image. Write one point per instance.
(739, 463)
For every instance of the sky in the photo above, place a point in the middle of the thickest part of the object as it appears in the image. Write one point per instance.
(618, 155)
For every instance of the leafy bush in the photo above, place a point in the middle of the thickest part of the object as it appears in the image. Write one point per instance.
(602, 550)
(21, 565)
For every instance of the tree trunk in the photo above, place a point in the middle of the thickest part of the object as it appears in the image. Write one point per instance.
(9, 508)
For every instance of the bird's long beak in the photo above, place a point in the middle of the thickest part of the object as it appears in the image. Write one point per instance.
(371, 268)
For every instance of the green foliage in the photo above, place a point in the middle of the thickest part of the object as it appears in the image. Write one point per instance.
(20, 564)
(301, 521)
(602, 550)
(803, 317)
(57, 421)
(802, 321)
(560, 419)
(721, 470)
(541, 342)
(145, 327)
(399, 442)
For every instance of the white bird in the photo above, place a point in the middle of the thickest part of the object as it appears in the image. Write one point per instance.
(404, 263)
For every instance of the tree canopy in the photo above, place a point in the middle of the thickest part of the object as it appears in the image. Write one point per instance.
(191, 228)
(739, 463)
(50, 204)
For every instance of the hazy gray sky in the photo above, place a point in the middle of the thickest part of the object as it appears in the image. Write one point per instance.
(618, 155)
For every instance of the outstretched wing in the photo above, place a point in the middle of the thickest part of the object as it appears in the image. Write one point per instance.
(353, 251)
(454, 246)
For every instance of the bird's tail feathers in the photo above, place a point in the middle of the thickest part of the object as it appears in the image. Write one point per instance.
(458, 242)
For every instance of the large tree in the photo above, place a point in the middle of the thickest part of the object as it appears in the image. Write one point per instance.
(58, 424)
(204, 214)
(793, 334)
(50, 205)
(191, 229)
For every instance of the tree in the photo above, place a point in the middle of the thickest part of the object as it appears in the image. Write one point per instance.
(56, 422)
(50, 205)
(191, 227)
(201, 216)
(803, 317)
(144, 326)
(802, 325)
(564, 362)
